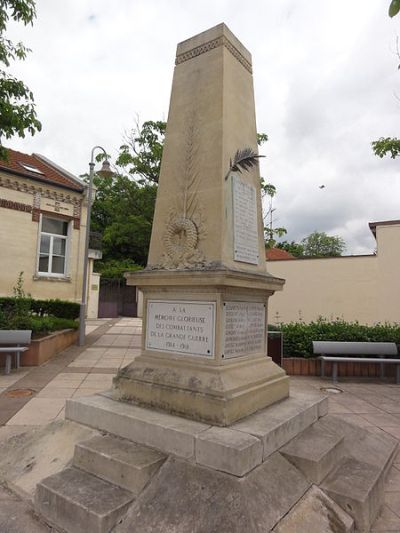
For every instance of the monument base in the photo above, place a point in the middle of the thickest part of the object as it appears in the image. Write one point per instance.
(204, 353)
(217, 395)
(287, 468)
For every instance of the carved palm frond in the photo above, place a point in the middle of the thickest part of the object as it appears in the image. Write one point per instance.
(244, 159)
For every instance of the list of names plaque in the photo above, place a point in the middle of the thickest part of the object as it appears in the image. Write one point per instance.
(181, 327)
(245, 234)
(244, 328)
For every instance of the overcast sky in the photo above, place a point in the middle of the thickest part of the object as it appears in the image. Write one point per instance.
(325, 77)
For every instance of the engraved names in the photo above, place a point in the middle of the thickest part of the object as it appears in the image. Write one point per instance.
(244, 328)
(245, 234)
(181, 327)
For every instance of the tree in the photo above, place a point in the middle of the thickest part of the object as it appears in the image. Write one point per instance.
(141, 154)
(17, 109)
(386, 146)
(124, 207)
(292, 247)
(268, 191)
(319, 244)
(389, 145)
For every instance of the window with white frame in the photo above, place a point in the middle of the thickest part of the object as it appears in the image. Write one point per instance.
(53, 247)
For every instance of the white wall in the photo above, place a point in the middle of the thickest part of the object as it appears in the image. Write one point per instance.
(363, 288)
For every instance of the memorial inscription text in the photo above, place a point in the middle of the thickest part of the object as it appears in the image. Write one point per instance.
(244, 328)
(245, 234)
(181, 327)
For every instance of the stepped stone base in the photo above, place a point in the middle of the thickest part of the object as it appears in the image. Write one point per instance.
(288, 468)
(118, 461)
(235, 450)
(79, 502)
(316, 513)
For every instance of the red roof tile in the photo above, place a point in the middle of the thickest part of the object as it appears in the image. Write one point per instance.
(45, 172)
(276, 254)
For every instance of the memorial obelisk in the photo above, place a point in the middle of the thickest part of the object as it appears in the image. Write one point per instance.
(206, 287)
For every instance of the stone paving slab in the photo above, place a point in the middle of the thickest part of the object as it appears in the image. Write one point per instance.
(17, 516)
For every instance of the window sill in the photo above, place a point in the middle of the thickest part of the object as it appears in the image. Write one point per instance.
(40, 277)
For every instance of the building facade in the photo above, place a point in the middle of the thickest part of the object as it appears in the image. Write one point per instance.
(42, 228)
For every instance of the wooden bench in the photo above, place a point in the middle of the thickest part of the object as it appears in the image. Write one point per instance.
(13, 342)
(338, 352)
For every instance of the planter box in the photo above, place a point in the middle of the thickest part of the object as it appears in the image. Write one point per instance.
(41, 350)
(311, 366)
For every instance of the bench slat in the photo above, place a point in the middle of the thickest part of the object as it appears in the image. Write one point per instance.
(354, 348)
(360, 359)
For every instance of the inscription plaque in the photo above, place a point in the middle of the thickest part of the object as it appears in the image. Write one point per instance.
(181, 327)
(245, 233)
(244, 328)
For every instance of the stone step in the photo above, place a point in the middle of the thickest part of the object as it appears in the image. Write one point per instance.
(118, 461)
(315, 452)
(78, 502)
(165, 432)
(280, 423)
(358, 488)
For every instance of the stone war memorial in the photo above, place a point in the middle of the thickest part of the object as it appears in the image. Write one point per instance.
(201, 432)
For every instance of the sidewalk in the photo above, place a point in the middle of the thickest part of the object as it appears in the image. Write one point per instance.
(36, 395)
(111, 344)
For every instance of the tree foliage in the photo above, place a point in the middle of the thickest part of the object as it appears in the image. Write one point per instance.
(17, 109)
(294, 248)
(319, 244)
(268, 191)
(124, 207)
(385, 146)
(394, 8)
(140, 155)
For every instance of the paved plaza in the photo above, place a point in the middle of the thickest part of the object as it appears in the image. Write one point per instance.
(111, 344)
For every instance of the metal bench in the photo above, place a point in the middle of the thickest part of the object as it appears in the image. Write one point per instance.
(13, 342)
(336, 352)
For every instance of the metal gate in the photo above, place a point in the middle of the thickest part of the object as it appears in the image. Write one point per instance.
(116, 298)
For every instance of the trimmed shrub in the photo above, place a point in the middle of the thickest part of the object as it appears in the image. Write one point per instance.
(58, 308)
(298, 336)
(47, 324)
(10, 306)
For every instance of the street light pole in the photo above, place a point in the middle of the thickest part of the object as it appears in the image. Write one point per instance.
(105, 170)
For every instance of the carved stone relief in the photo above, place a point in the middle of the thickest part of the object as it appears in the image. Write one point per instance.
(185, 227)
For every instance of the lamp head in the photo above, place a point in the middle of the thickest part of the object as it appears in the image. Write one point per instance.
(105, 170)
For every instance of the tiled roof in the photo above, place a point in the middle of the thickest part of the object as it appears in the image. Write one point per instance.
(40, 169)
(276, 254)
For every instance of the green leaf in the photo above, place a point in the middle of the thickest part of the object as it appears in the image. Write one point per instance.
(394, 8)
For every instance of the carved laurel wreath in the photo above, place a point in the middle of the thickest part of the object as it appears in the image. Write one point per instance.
(181, 237)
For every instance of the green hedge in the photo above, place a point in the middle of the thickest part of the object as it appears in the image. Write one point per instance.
(298, 336)
(47, 324)
(57, 308)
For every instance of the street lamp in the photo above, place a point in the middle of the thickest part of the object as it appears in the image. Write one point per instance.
(105, 171)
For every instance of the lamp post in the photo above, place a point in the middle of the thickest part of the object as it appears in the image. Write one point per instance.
(105, 171)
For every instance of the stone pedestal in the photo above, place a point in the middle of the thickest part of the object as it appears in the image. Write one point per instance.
(204, 346)
(206, 286)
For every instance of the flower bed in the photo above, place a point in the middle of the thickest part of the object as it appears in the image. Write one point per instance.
(44, 348)
(311, 366)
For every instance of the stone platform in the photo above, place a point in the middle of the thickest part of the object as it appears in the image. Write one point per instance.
(287, 468)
